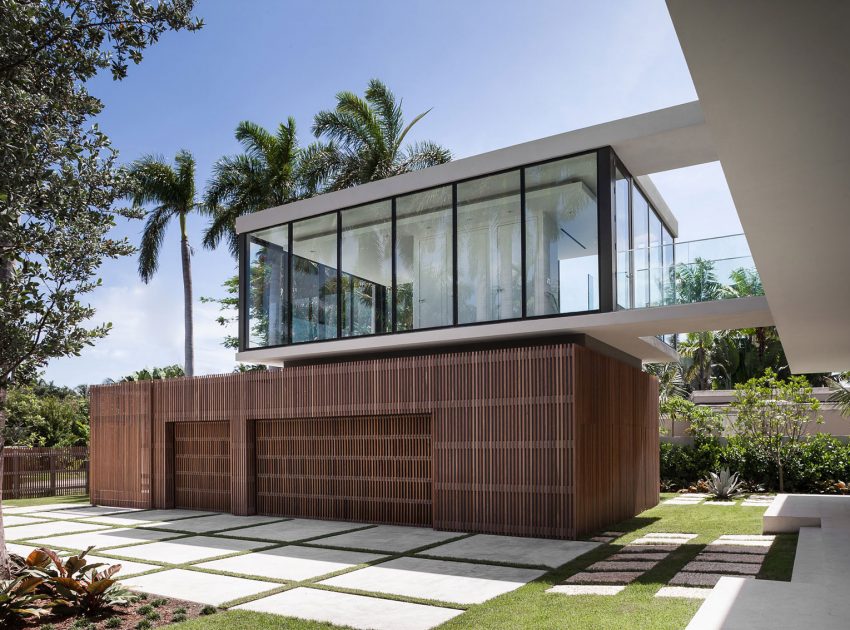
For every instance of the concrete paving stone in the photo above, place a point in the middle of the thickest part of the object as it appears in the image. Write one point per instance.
(737, 568)
(193, 586)
(612, 577)
(631, 556)
(603, 539)
(748, 558)
(764, 544)
(685, 578)
(49, 528)
(676, 542)
(86, 511)
(687, 592)
(355, 611)
(128, 567)
(442, 580)
(630, 565)
(291, 562)
(615, 534)
(586, 589)
(21, 550)
(120, 521)
(544, 552)
(32, 509)
(186, 549)
(649, 548)
(214, 523)
(754, 504)
(105, 538)
(12, 520)
(684, 537)
(164, 515)
(720, 503)
(295, 529)
(748, 537)
(387, 538)
(722, 548)
(682, 502)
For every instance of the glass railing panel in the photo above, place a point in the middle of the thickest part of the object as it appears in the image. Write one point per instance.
(692, 271)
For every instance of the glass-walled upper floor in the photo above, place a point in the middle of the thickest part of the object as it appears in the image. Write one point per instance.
(517, 244)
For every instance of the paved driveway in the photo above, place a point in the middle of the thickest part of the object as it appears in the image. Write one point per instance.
(329, 571)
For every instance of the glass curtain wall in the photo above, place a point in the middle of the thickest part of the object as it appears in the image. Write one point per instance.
(367, 273)
(489, 249)
(267, 291)
(656, 275)
(561, 237)
(640, 248)
(314, 278)
(668, 262)
(622, 242)
(424, 260)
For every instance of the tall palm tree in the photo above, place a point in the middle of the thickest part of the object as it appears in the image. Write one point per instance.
(172, 189)
(364, 141)
(696, 351)
(265, 175)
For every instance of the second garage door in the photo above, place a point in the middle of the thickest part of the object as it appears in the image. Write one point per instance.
(372, 469)
(202, 466)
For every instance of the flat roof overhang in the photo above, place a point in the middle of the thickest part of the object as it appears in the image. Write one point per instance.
(773, 78)
(631, 332)
(657, 141)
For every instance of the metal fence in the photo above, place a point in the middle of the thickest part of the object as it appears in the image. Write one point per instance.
(45, 472)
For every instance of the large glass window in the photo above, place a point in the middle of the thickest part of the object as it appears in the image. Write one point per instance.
(669, 265)
(622, 231)
(562, 257)
(640, 245)
(656, 276)
(424, 262)
(314, 279)
(489, 252)
(267, 287)
(367, 273)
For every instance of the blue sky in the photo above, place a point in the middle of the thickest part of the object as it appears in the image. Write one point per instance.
(495, 73)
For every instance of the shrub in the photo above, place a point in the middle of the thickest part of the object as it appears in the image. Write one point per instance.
(113, 622)
(159, 602)
(144, 624)
(144, 610)
(178, 617)
(209, 610)
(152, 616)
(723, 485)
(19, 597)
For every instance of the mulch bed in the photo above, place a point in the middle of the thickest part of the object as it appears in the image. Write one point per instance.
(129, 615)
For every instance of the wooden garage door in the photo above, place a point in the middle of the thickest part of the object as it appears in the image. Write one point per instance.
(374, 469)
(202, 466)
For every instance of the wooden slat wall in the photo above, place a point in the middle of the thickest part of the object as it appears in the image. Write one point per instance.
(44, 472)
(202, 466)
(503, 455)
(368, 468)
(120, 445)
(616, 440)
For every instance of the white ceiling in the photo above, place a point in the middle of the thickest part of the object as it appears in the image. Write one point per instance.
(773, 78)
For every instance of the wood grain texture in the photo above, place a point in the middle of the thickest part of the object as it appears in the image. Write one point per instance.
(202, 466)
(496, 440)
(45, 472)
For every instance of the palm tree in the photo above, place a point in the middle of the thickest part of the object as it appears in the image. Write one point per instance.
(697, 282)
(697, 351)
(671, 382)
(265, 175)
(365, 142)
(173, 190)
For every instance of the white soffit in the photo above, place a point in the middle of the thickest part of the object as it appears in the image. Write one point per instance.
(662, 140)
(773, 77)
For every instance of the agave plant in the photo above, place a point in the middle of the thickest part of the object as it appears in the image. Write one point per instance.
(723, 485)
(77, 584)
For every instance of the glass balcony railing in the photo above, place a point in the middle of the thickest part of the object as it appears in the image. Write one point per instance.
(682, 273)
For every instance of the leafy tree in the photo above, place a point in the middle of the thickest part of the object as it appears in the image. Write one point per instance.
(46, 420)
(172, 189)
(58, 179)
(703, 423)
(364, 142)
(264, 176)
(671, 382)
(840, 392)
(773, 415)
(697, 282)
(155, 374)
(697, 352)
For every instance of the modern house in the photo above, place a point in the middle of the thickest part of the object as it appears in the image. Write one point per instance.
(461, 346)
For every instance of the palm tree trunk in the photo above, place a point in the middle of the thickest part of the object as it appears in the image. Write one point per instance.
(189, 342)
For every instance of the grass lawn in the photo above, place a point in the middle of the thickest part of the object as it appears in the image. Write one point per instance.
(77, 498)
(531, 607)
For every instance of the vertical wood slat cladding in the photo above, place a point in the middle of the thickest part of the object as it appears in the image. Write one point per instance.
(616, 440)
(514, 446)
(202, 466)
(367, 468)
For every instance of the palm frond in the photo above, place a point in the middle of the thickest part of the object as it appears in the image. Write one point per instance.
(185, 163)
(152, 237)
(154, 181)
(424, 155)
(256, 139)
(407, 129)
(390, 117)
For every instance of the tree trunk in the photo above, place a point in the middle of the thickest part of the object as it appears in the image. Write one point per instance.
(189, 344)
(5, 567)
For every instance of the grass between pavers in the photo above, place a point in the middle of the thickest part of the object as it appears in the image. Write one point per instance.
(529, 606)
(76, 498)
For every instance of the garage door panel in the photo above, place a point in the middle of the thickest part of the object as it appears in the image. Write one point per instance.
(202, 466)
(375, 469)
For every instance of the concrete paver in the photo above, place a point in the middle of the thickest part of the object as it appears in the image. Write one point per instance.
(295, 529)
(194, 586)
(105, 538)
(186, 549)
(514, 550)
(387, 538)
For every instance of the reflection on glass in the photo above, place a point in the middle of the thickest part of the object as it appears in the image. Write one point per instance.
(424, 259)
(621, 220)
(367, 269)
(640, 244)
(267, 290)
(489, 282)
(669, 264)
(314, 265)
(656, 277)
(562, 262)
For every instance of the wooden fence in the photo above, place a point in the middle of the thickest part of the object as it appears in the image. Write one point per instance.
(45, 472)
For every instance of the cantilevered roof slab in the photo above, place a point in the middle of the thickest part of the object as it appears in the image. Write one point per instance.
(773, 78)
(662, 140)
